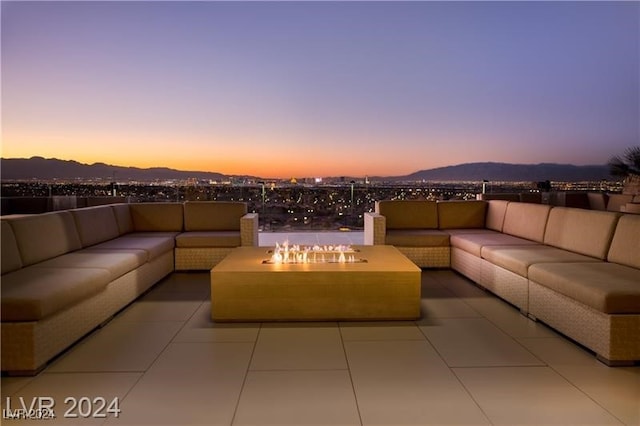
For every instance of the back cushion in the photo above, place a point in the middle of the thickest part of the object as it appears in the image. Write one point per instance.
(461, 214)
(526, 220)
(587, 232)
(9, 249)
(625, 247)
(495, 214)
(123, 218)
(409, 214)
(213, 215)
(166, 217)
(95, 224)
(44, 236)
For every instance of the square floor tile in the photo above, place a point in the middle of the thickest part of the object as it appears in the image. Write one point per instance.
(299, 346)
(160, 307)
(201, 328)
(380, 330)
(616, 389)
(119, 346)
(439, 302)
(406, 383)
(297, 398)
(531, 396)
(189, 285)
(509, 319)
(98, 391)
(558, 350)
(10, 385)
(189, 384)
(471, 342)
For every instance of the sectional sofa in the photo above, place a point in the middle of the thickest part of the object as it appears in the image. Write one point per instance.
(65, 273)
(576, 270)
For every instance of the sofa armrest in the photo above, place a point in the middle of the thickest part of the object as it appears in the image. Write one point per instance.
(375, 228)
(249, 229)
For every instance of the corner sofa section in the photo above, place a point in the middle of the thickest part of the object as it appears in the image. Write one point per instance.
(65, 273)
(576, 270)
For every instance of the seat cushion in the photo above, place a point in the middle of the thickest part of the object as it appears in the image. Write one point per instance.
(209, 239)
(517, 259)
(35, 292)
(117, 262)
(153, 246)
(417, 238)
(473, 243)
(606, 287)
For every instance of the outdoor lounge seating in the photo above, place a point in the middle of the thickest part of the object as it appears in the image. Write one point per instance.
(67, 272)
(576, 270)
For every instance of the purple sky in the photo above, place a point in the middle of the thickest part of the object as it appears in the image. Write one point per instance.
(284, 89)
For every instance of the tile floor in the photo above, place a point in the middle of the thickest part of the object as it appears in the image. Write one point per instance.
(471, 360)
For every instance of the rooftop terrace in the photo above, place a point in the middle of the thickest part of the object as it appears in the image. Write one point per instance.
(472, 359)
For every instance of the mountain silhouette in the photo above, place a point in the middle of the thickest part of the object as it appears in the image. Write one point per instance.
(38, 168)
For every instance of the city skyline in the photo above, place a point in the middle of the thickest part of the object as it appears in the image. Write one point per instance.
(322, 88)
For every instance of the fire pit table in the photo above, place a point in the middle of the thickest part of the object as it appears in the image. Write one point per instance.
(364, 283)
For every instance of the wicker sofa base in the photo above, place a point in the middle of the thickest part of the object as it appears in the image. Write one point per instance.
(508, 285)
(28, 346)
(199, 258)
(614, 338)
(428, 257)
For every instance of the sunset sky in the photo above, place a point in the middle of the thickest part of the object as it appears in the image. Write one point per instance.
(279, 89)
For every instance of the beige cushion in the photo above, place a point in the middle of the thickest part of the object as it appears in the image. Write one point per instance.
(409, 214)
(461, 214)
(526, 220)
(123, 218)
(95, 224)
(417, 238)
(496, 211)
(606, 287)
(473, 243)
(33, 293)
(616, 201)
(157, 217)
(153, 246)
(469, 231)
(517, 259)
(597, 201)
(625, 247)
(213, 215)
(117, 262)
(209, 239)
(43, 236)
(587, 232)
(9, 249)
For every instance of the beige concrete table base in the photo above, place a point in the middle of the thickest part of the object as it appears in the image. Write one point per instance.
(385, 287)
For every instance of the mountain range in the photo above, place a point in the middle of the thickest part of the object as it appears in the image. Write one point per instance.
(38, 168)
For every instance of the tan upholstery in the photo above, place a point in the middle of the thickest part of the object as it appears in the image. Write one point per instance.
(9, 249)
(582, 231)
(213, 215)
(597, 200)
(209, 239)
(417, 238)
(409, 214)
(496, 210)
(43, 236)
(606, 287)
(625, 247)
(526, 220)
(518, 258)
(33, 293)
(157, 217)
(117, 262)
(122, 213)
(473, 243)
(95, 224)
(153, 246)
(461, 214)
(616, 201)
